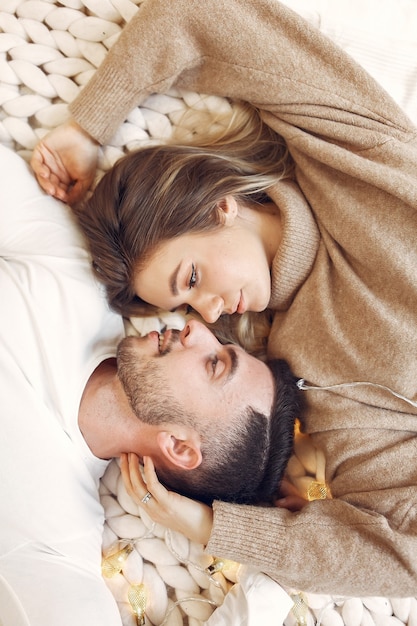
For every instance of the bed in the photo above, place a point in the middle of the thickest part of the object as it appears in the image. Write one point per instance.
(48, 51)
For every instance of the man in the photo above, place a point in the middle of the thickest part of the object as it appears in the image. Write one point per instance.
(68, 407)
(345, 299)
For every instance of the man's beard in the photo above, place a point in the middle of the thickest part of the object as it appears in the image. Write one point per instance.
(145, 387)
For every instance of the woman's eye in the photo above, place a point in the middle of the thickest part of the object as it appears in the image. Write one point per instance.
(193, 277)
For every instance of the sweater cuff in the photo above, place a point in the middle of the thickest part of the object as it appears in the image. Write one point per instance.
(240, 533)
(115, 95)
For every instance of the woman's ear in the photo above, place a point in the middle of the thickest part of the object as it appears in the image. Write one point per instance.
(228, 210)
(182, 451)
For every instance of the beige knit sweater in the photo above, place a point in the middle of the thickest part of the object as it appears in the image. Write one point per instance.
(344, 279)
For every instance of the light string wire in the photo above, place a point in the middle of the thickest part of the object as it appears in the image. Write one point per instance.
(301, 384)
(112, 564)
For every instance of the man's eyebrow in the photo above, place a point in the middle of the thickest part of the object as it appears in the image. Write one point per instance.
(173, 280)
(234, 362)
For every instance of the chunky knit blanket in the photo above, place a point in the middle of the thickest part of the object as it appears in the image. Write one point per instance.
(48, 50)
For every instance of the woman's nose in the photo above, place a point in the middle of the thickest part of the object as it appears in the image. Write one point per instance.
(209, 307)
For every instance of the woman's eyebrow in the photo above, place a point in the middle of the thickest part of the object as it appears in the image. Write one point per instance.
(173, 280)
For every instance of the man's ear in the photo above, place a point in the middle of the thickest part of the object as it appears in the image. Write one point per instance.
(228, 210)
(183, 451)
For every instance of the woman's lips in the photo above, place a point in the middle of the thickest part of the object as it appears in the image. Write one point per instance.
(241, 307)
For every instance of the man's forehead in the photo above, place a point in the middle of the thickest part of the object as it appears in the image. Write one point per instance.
(257, 378)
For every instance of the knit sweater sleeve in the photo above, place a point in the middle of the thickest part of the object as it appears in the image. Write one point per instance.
(330, 546)
(260, 52)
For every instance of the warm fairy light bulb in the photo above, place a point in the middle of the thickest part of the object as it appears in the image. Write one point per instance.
(317, 491)
(137, 598)
(226, 567)
(112, 564)
(230, 570)
(216, 566)
(300, 608)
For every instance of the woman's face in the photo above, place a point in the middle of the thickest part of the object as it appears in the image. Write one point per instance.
(222, 271)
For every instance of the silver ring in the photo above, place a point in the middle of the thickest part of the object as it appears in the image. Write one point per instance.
(146, 497)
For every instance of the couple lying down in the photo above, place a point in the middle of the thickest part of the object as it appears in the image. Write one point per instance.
(76, 393)
(328, 213)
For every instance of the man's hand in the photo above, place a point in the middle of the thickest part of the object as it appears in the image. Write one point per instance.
(65, 162)
(189, 517)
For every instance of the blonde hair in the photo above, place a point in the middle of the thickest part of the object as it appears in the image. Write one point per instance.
(250, 330)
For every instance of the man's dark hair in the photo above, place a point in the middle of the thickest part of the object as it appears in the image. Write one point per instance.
(248, 467)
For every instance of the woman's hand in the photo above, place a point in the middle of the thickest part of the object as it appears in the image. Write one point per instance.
(189, 517)
(65, 162)
(290, 497)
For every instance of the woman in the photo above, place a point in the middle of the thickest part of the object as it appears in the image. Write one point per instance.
(342, 256)
(192, 225)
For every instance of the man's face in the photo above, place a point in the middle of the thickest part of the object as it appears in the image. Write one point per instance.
(195, 372)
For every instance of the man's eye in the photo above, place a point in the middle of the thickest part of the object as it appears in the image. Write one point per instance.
(193, 277)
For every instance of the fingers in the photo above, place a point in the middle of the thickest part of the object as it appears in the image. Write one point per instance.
(290, 498)
(77, 191)
(153, 485)
(42, 171)
(286, 488)
(138, 486)
(37, 163)
(50, 172)
(80, 186)
(292, 503)
(53, 162)
(60, 189)
(132, 478)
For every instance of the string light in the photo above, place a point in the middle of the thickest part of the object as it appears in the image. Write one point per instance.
(112, 564)
(225, 566)
(137, 597)
(300, 608)
(214, 567)
(228, 568)
(317, 491)
(114, 561)
(190, 599)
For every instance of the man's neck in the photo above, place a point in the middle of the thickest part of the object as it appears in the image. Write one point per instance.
(99, 410)
(107, 421)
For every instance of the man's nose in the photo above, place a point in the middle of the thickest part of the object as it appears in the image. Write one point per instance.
(210, 307)
(196, 333)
